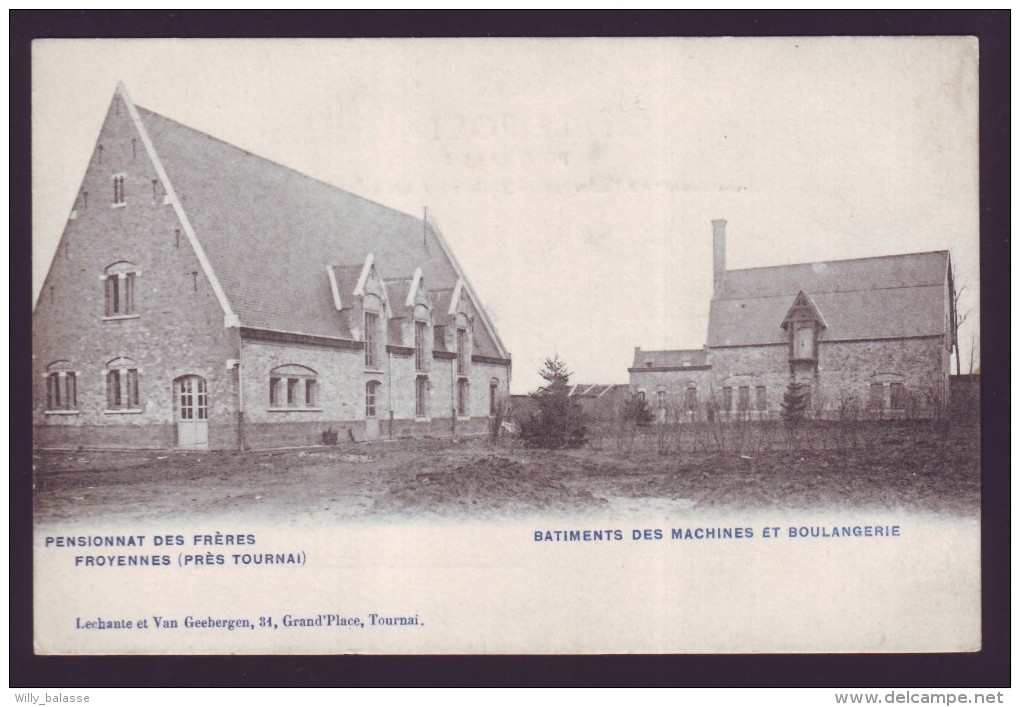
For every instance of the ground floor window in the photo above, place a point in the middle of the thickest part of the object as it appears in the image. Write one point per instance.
(293, 386)
(887, 395)
(462, 397)
(371, 390)
(876, 396)
(761, 398)
(421, 394)
(691, 398)
(727, 398)
(61, 387)
(897, 396)
(744, 398)
(493, 397)
(122, 385)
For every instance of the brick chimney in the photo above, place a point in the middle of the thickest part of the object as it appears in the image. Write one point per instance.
(718, 252)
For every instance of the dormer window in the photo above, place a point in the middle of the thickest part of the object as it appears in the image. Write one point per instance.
(803, 342)
(371, 340)
(803, 324)
(421, 357)
(462, 351)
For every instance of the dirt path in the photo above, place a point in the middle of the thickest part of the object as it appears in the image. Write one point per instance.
(474, 477)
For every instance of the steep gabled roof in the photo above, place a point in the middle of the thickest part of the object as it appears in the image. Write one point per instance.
(269, 233)
(802, 309)
(868, 298)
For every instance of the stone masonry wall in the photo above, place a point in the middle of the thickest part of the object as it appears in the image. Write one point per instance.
(845, 370)
(179, 328)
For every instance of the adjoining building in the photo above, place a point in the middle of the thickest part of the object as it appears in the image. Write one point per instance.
(872, 336)
(205, 297)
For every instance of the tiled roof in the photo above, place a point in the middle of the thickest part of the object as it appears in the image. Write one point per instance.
(269, 233)
(441, 304)
(394, 329)
(868, 298)
(396, 290)
(670, 359)
(585, 390)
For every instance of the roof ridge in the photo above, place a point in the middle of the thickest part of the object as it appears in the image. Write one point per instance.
(279, 164)
(842, 260)
(786, 295)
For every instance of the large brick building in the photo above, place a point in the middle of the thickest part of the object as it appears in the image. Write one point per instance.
(870, 335)
(204, 297)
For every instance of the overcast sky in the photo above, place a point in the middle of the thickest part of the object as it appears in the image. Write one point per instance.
(575, 180)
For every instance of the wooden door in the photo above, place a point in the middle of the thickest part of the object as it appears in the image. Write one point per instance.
(192, 404)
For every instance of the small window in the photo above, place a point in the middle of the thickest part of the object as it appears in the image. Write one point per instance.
(462, 398)
(293, 386)
(744, 398)
(119, 287)
(641, 395)
(122, 385)
(691, 398)
(371, 339)
(727, 398)
(118, 190)
(761, 398)
(421, 395)
(61, 387)
(370, 398)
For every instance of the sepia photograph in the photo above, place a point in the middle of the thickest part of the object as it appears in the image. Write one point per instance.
(506, 346)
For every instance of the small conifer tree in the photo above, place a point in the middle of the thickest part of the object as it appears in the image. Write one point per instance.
(558, 422)
(794, 402)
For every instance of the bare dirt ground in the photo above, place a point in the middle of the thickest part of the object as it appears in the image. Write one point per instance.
(895, 467)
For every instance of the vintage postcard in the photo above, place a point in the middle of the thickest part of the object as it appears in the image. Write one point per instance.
(522, 346)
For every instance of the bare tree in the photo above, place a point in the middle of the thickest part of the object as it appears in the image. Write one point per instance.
(973, 345)
(961, 317)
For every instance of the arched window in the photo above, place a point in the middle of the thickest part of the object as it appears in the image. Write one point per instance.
(61, 387)
(293, 386)
(122, 385)
(119, 288)
(494, 396)
(887, 391)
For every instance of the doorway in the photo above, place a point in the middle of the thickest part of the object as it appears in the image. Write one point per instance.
(192, 404)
